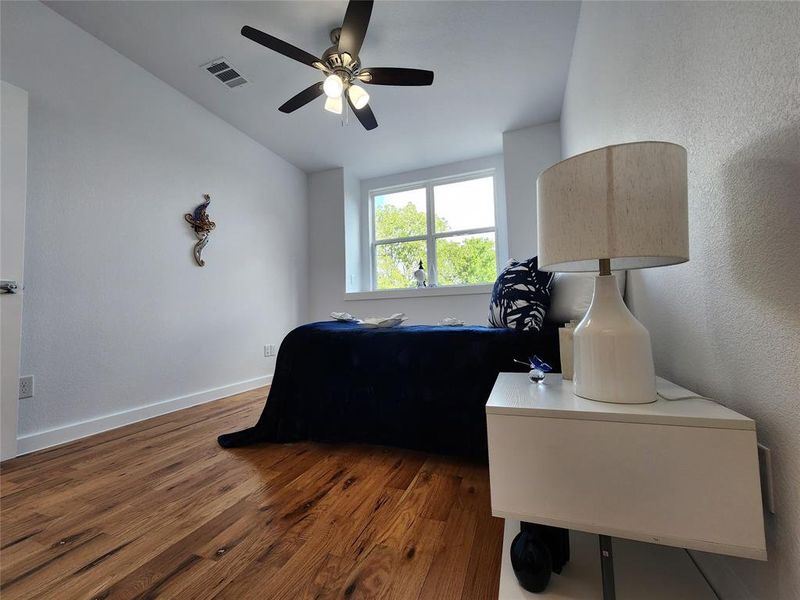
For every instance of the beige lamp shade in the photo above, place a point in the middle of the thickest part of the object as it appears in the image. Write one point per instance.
(627, 203)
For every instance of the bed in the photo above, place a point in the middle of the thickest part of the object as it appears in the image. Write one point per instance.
(417, 387)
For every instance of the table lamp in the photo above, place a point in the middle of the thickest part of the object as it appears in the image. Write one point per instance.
(618, 207)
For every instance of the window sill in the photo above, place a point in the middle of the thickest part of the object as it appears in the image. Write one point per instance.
(459, 290)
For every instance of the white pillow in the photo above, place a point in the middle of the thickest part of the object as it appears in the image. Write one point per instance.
(571, 295)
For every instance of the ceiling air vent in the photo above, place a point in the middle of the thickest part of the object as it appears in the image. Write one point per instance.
(220, 69)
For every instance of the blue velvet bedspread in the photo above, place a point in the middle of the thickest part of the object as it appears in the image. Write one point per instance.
(418, 387)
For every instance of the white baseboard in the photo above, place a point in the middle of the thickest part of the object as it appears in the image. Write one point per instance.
(74, 431)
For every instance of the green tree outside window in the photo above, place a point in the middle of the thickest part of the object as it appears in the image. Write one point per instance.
(461, 259)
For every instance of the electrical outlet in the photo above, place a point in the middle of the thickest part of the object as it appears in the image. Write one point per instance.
(270, 350)
(765, 467)
(26, 387)
(266, 351)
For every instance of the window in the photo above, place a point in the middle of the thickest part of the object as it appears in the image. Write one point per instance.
(447, 224)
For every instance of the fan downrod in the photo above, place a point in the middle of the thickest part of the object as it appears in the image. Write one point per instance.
(343, 64)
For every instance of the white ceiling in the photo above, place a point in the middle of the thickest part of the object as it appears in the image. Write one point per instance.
(498, 66)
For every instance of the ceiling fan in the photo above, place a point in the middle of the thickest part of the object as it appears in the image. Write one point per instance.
(342, 66)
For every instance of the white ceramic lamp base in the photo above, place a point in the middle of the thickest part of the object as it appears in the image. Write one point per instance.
(613, 357)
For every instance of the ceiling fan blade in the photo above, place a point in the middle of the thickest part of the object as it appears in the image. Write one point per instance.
(312, 92)
(395, 76)
(279, 46)
(364, 115)
(354, 26)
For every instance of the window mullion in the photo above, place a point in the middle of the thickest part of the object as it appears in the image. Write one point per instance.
(374, 261)
(412, 238)
(458, 232)
(433, 275)
(373, 249)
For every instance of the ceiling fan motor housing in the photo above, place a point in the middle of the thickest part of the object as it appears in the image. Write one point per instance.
(344, 65)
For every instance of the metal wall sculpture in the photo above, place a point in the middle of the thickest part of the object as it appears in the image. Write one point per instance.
(202, 226)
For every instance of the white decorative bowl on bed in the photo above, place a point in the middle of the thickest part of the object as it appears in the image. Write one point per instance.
(343, 316)
(451, 322)
(392, 321)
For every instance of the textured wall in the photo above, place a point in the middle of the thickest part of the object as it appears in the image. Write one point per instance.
(724, 81)
(526, 153)
(117, 316)
(326, 244)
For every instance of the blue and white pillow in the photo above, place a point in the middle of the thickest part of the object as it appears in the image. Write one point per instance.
(520, 297)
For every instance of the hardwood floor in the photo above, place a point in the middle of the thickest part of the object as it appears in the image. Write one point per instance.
(157, 510)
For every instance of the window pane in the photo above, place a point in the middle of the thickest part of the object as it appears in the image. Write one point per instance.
(400, 214)
(395, 264)
(464, 205)
(466, 259)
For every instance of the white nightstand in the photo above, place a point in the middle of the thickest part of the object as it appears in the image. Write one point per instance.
(681, 473)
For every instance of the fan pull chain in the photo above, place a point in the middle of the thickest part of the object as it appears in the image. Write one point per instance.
(345, 110)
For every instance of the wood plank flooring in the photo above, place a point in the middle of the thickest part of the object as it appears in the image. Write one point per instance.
(157, 510)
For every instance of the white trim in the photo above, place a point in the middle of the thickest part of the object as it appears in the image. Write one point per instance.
(447, 290)
(435, 236)
(74, 431)
(453, 172)
(413, 238)
(431, 235)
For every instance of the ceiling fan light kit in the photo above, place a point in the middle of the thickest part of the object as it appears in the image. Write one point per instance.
(342, 66)
(358, 96)
(333, 86)
(334, 104)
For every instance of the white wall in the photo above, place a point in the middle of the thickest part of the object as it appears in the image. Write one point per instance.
(326, 244)
(352, 224)
(117, 316)
(472, 307)
(526, 152)
(724, 81)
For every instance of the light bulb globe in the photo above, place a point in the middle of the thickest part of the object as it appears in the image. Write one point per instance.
(333, 86)
(334, 105)
(358, 96)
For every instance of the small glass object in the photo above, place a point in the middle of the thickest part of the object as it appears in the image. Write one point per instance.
(536, 375)
(539, 368)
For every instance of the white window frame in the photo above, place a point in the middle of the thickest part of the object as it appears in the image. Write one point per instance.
(431, 236)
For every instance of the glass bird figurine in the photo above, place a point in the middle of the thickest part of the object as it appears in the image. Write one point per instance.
(420, 276)
(538, 368)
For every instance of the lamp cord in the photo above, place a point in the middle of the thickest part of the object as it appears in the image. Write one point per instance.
(690, 397)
